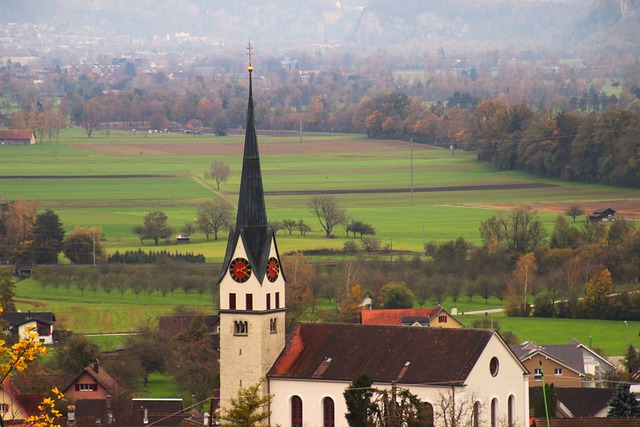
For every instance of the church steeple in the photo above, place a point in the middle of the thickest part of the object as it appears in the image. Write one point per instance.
(252, 286)
(251, 220)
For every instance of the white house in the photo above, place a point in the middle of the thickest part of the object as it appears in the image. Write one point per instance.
(19, 323)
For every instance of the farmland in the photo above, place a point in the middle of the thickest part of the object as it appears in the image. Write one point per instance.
(114, 181)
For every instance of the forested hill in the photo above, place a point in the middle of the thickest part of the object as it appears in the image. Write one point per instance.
(372, 24)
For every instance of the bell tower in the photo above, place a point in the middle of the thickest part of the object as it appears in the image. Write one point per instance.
(252, 286)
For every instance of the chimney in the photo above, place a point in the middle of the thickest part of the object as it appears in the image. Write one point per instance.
(96, 366)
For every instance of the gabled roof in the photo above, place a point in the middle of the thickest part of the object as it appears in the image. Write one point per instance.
(171, 326)
(100, 376)
(16, 134)
(570, 355)
(340, 352)
(399, 316)
(28, 403)
(19, 318)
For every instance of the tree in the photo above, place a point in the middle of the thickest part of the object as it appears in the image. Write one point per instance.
(454, 411)
(328, 212)
(218, 171)
(574, 211)
(300, 273)
(520, 231)
(397, 295)
(156, 227)
(91, 115)
(597, 293)
(624, 404)
(248, 408)
(84, 246)
(197, 371)
(75, 353)
(552, 402)
(157, 121)
(349, 308)
(524, 276)
(48, 237)
(213, 216)
(149, 348)
(358, 397)
(17, 219)
(7, 293)
(195, 126)
(359, 227)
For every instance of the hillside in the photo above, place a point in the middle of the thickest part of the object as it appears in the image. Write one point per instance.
(371, 24)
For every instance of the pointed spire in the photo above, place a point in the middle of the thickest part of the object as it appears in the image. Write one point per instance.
(251, 207)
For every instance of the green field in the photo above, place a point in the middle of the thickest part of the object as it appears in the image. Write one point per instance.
(91, 194)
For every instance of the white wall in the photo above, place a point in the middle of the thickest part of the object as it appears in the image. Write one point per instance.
(480, 385)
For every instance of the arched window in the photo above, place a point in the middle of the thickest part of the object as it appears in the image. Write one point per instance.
(328, 412)
(511, 409)
(494, 412)
(296, 411)
(476, 414)
(428, 414)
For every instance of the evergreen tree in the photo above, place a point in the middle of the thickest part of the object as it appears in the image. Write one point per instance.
(552, 402)
(48, 237)
(360, 408)
(624, 404)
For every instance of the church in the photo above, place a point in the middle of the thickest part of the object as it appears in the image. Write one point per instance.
(470, 370)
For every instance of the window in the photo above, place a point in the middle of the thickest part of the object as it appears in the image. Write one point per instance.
(537, 374)
(511, 409)
(328, 412)
(494, 412)
(557, 371)
(428, 413)
(277, 299)
(494, 366)
(442, 319)
(87, 387)
(240, 328)
(476, 414)
(273, 326)
(4, 408)
(296, 411)
(268, 301)
(249, 300)
(232, 301)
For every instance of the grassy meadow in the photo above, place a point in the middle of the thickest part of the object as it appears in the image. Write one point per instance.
(87, 182)
(91, 182)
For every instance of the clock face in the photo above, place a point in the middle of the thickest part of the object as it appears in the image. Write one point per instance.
(273, 269)
(240, 270)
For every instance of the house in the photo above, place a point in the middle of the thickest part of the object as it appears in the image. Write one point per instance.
(93, 383)
(319, 362)
(434, 317)
(18, 323)
(603, 214)
(565, 365)
(17, 137)
(15, 406)
(578, 402)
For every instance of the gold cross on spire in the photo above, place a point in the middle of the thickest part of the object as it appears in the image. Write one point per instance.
(250, 54)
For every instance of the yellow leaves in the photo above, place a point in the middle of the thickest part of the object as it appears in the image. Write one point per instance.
(18, 355)
(48, 411)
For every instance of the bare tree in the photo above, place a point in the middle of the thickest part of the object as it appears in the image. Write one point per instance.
(328, 211)
(574, 211)
(454, 410)
(219, 171)
(213, 216)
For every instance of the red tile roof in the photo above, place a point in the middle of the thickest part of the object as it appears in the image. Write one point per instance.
(15, 134)
(388, 353)
(394, 316)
